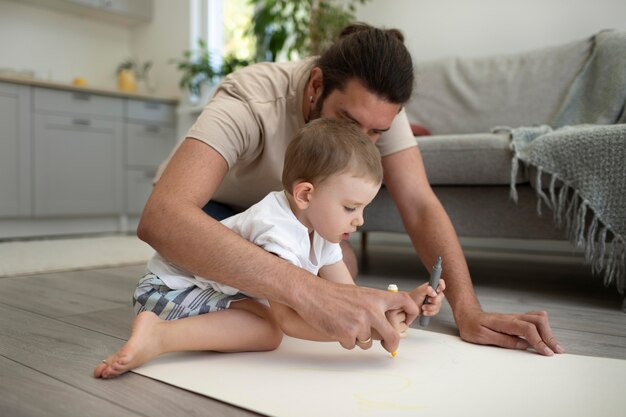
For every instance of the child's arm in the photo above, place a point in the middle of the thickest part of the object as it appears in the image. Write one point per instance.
(337, 272)
(293, 325)
(290, 321)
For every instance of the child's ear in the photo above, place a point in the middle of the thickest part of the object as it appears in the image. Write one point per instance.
(302, 194)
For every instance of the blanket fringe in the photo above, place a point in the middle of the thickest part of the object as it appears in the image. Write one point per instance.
(570, 211)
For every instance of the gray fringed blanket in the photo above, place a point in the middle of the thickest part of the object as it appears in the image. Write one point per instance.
(585, 158)
(586, 165)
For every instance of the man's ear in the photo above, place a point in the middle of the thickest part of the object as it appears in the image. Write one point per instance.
(316, 84)
(302, 194)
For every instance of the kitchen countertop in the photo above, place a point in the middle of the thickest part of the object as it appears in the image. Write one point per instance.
(86, 89)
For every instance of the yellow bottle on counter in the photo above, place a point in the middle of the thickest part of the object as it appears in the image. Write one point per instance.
(126, 81)
(79, 82)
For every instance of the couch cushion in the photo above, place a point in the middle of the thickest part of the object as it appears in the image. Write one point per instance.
(476, 159)
(475, 212)
(472, 95)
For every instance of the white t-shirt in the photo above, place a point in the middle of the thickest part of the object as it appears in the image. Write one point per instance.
(271, 225)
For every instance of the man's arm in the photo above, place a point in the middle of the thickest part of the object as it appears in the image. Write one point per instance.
(293, 325)
(432, 235)
(174, 224)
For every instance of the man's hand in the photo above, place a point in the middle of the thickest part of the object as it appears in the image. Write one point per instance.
(348, 313)
(512, 331)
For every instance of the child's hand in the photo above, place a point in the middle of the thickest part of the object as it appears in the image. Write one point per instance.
(423, 292)
(397, 318)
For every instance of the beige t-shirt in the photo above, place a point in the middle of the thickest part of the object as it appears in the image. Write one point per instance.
(251, 118)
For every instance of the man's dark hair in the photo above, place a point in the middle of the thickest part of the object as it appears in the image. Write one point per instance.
(376, 57)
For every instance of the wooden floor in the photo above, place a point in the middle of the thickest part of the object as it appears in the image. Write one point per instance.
(54, 328)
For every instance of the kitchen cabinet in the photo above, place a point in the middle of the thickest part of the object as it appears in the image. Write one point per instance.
(150, 136)
(77, 153)
(121, 12)
(77, 160)
(79, 103)
(78, 165)
(15, 164)
(133, 10)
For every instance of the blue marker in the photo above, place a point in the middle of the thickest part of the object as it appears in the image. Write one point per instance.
(434, 283)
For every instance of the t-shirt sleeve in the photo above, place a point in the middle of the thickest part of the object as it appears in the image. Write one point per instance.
(398, 138)
(332, 254)
(277, 249)
(228, 125)
(258, 226)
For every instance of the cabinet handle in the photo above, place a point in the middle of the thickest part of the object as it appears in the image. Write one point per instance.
(81, 122)
(81, 96)
(152, 129)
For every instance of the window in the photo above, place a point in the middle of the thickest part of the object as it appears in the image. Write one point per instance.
(222, 25)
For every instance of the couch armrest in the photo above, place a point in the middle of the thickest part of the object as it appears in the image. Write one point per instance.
(474, 159)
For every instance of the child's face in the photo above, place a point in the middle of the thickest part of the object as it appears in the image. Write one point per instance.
(336, 205)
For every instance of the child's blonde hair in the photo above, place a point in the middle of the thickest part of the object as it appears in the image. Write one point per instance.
(326, 147)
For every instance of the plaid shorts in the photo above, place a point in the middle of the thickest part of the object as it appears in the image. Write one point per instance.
(153, 295)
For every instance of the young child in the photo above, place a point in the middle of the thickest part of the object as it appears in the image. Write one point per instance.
(332, 171)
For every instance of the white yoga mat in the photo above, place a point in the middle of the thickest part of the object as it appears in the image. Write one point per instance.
(432, 375)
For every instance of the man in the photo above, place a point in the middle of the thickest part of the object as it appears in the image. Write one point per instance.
(233, 156)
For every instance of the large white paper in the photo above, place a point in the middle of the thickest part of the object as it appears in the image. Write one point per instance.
(432, 375)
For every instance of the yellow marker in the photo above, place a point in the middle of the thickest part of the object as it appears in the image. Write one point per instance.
(393, 288)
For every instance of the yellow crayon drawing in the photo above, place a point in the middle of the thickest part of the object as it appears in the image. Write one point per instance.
(384, 391)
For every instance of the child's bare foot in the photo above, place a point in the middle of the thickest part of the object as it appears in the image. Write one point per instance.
(143, 345)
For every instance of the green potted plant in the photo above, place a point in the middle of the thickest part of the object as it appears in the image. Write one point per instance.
(199, 72)
(132, 71)
(303, 27)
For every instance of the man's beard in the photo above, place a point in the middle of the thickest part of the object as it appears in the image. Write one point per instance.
(316, 111)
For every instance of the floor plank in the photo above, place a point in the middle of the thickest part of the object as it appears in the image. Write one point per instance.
(68, 354)
(29, 393)
(114, 322)
(63, 294)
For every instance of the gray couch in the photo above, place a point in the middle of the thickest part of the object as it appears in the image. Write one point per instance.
(460, 100)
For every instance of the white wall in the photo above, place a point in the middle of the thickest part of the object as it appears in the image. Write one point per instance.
(165, 38)
(438, 28)
(60, 46)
